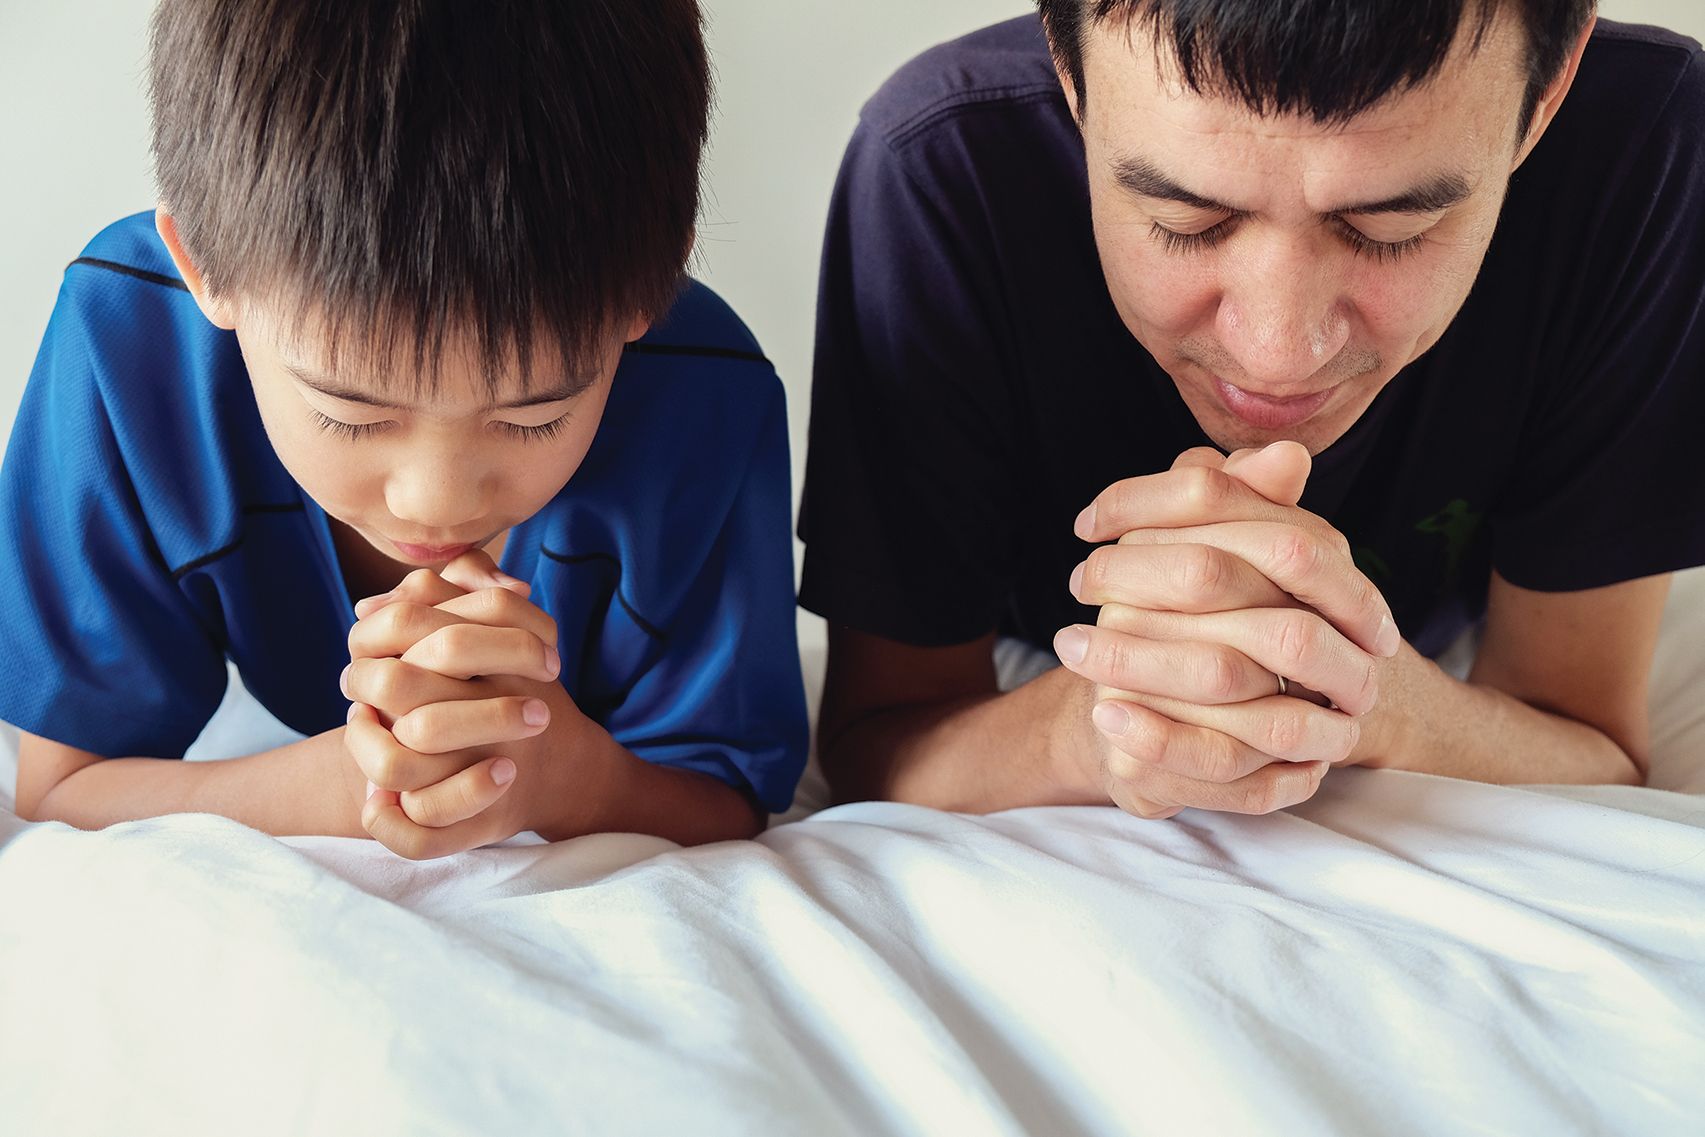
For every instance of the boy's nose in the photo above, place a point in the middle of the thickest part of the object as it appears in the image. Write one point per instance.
(436, 497)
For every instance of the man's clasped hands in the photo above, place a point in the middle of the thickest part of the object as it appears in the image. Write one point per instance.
(1238, 651)
(1219, 585)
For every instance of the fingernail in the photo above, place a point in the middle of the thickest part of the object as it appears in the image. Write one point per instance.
(535, 713)
(368, 604)
(350, 717)
(1076, 586)
(1071, 644)
(1085, 523)
(1389, 639)
(505, 579)
(371, 790)
(343, 680)
(502, 772)
(553, 662)
(1110, 718)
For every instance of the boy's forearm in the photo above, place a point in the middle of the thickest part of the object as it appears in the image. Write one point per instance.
(306, 788)
(683, 806)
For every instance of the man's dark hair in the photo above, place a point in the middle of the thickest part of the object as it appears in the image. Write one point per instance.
(1329, 59)
(523, 172)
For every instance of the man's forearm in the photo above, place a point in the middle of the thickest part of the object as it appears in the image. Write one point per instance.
(974, 755)
(1433, 723)
(305, 788)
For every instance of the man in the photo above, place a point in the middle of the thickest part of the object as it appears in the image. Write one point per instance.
(1452, 249)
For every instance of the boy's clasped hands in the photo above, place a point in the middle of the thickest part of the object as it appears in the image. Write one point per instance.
(454, 699)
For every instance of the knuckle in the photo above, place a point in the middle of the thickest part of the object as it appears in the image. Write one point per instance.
(1123, 766)
(1296, 637)
(418, 581)
(1296, 555)
(1204, 489)
(1202, 571)
(383, 679)
(1223, 674)
(1219, 761)
(1286, 729)
(1257, 797)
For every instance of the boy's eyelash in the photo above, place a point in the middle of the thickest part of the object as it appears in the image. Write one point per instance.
(1360, 243)
(541, 433)
(351, 430)
(354, 430)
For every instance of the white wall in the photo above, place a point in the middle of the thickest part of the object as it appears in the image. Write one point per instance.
(73, 136)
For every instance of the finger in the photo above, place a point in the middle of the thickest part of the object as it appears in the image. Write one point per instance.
(462, 650)
(1278, 472)
(1200, 456)
(460, 797)
(1294, 642)
(444, 728)
(1175, 578)
(1197, 672)
(1186, 495)
(395, 688)
(1273, 787)
(422, 586)
(1285, 729)
(475, 570)
(500, 607)
(395, 627)
(383, 818)
(1137, 806)
(1315, 569)
(389, 764)
(1146, 742)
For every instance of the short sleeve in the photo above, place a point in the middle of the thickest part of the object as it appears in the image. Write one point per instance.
(723, 695)
(101, 650)
(906, 512)
(1606, 482)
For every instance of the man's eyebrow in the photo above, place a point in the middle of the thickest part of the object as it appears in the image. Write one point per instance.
(1437, 193)
(326, 385)
(1143, 178)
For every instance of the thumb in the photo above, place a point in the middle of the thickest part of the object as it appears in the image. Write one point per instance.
(1278, 472)
(475, 569)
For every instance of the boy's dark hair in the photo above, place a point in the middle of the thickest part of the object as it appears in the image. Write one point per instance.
(1329, 59)
(524, 172)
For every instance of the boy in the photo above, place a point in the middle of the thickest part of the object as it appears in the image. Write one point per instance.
(411, 308)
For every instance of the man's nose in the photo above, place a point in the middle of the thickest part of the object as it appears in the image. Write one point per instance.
(1282, 318)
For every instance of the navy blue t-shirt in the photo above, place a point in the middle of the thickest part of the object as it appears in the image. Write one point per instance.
(975, 388)
(151, 534)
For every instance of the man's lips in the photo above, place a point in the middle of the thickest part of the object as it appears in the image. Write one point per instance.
(1267, 412)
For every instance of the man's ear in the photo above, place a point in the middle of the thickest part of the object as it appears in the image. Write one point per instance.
(218, 311)
(1553, 96)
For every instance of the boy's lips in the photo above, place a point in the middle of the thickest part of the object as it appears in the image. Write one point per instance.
(1267, 412)
(431, 554)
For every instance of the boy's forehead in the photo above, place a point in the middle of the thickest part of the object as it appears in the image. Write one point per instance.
(398, 364)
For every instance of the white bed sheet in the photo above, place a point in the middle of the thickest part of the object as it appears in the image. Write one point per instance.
(1402, 955)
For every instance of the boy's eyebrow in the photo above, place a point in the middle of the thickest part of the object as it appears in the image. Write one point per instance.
(1437, 193)
(326, 385)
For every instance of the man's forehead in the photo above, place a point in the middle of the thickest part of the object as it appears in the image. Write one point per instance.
(1137, 79)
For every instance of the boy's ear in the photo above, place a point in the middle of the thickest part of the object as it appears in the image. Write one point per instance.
(637, 328)
(219, 312)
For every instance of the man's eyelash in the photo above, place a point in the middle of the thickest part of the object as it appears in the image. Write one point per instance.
(350, 430)
(1360, 243)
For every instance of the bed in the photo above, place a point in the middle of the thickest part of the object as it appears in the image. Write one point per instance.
(1401, 955)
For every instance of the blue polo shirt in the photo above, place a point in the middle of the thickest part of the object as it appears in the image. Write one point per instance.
(151, 534)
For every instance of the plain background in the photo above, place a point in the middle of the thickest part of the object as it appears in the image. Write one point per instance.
(791, 77)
